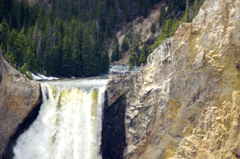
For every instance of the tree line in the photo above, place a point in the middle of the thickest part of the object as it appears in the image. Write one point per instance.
(71, 39)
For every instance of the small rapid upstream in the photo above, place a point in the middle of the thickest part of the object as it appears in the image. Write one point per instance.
(69, 123)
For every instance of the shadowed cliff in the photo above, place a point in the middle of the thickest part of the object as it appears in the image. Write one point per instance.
(113, 132)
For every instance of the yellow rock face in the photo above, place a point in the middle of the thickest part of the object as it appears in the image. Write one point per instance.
(186, 102)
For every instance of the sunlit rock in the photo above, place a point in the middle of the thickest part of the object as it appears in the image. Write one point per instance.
(188, 95)
(20, 101)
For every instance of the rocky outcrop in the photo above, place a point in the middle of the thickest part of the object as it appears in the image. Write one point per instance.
(186, 102)
(117, 86)
(19, 105)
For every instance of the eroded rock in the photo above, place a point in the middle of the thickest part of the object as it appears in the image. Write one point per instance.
(188, 96)
(19, 105)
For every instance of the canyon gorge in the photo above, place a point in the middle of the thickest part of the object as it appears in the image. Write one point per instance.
(185, 103)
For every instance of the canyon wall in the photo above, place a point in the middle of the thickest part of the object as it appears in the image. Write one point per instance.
(186, 102)
(20, 101)
(113, 132)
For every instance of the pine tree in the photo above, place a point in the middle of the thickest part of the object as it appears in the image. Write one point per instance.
(4, 33)
(126, 12)
(153, 28)
(132, 60)
(106, 60)
(125, 45)
(115, 53)
(31, 61)
(20, 46)
(162, 16)
(166, 28)
(173, 27)
(139, 7)
(86, 53)
(67, 67)
(145, 11)
(59, 54)
(185, 18)
(77, 48)
(54, 37)
(144, 53)
(94, 59)
(48, 61)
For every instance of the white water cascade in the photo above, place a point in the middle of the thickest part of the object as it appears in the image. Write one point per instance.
(69, 123)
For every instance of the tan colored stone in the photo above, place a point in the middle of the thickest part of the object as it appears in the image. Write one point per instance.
(20, 98)
(192, 85)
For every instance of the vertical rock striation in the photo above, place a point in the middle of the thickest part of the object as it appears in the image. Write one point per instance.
(186, 102)
(19, 105)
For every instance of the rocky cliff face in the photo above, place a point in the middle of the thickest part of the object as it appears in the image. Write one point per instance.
(113, 132)
(19, 105)
(186, 102)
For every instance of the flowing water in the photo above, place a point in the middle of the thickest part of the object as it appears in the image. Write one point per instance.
(69, 123)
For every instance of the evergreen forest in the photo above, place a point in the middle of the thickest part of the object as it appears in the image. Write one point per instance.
(67, 38)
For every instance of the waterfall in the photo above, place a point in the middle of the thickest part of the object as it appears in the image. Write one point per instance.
(69, 123)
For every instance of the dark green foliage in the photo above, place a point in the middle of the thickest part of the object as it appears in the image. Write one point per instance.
(144, 54)
(131, 61)
(90, 55)
(170, 23)
(18, 48)
(77, 51)
(106, 63)
(67, 60)
(69, 40)
(162, 15)
(126, 10)
(173, 27)
(153, 28)
(86, 52)
(31, 61)
(125, 45)
(134, 52)
(115, 50)
(4, 34)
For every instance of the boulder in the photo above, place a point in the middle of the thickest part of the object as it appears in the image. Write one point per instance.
(19, 105)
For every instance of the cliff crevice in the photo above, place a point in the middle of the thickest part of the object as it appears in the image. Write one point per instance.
(113, 132)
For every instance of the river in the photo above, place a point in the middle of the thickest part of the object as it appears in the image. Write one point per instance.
(69, 123)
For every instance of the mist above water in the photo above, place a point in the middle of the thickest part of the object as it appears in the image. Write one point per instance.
(69, 123)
